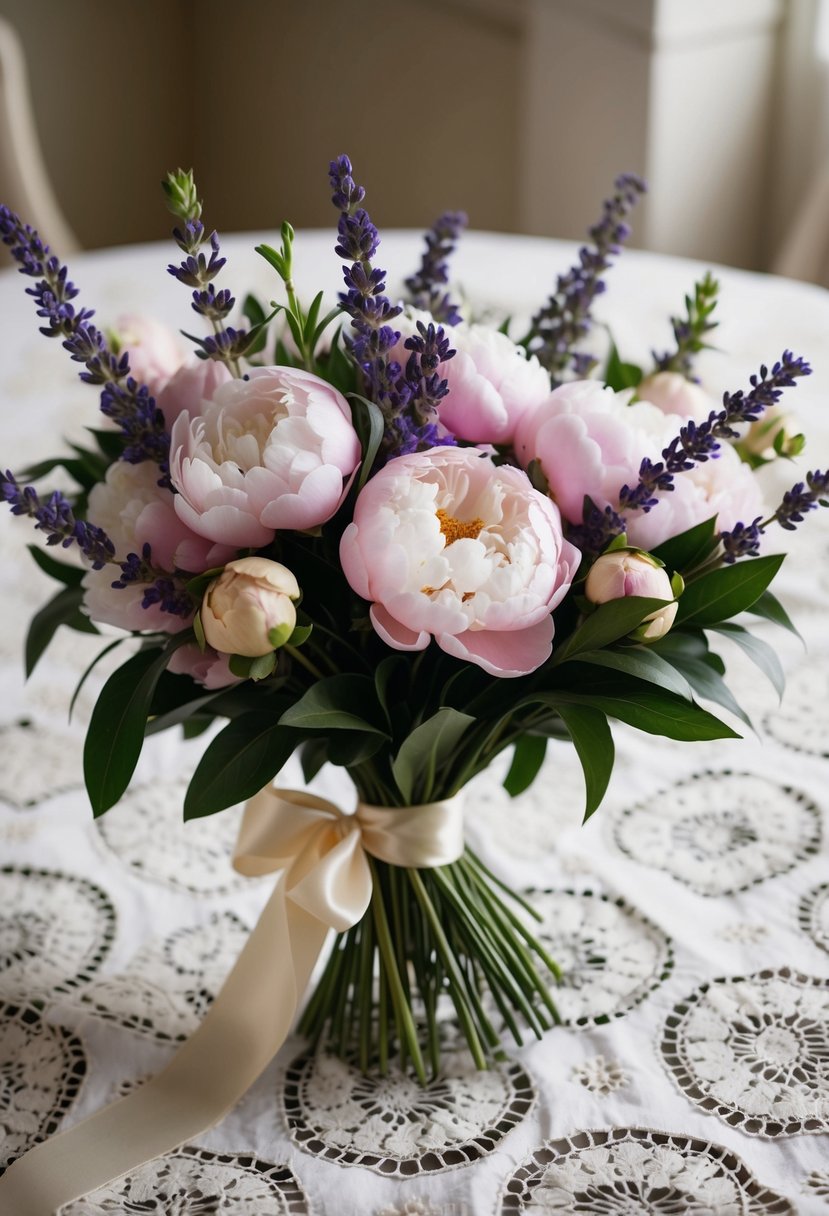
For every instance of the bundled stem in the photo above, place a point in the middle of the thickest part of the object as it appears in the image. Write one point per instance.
(432, 938)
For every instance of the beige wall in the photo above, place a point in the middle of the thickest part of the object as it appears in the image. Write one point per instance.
(521, 112)
(258, 96)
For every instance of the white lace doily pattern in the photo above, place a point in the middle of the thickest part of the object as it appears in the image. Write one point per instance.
(41, 1070)
(168, 985)
(755, 1052)
(610, 955)
(37, 764)
(600, 1076)
(197, 1182)
(813, 914)
(817, 1183)
(801, 722)
(721, 832)
(149, 835)
(633, 1170)
(55, 931)
(397, 1127)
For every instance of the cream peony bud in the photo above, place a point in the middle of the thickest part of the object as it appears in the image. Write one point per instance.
(248, 609)
(672, 393)
(628, 572)
(761, 436)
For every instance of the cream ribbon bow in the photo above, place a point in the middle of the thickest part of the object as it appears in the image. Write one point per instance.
(325, 884)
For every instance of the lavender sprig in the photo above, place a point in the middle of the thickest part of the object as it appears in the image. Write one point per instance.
(426, 285)
(198, 269)
(743, 540)
(565, 320)
(690, 330)
(698, 442)
(128, 403)
(160, 587)
(56, 518)
(407, 397)
(597, 529)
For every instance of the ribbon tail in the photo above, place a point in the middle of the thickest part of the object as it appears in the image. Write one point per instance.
(239, 1036)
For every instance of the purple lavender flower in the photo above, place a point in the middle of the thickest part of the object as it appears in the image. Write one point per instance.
(426, 285)
(160, 587)
(743, 540)
(565, 320)
(128, 403)
(56, 518)
(698, 442)
(690, 330)
(408, 397)
(804, 496)
(197, 270)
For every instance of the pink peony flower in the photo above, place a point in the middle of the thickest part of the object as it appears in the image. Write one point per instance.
(726, 488)
(268, 452)
(205, 667)
(616, 575)
(191, 386)
(154, 351)
(135, 511)
(673, 394)
(446, 544)
(491, 381)
(589, 441)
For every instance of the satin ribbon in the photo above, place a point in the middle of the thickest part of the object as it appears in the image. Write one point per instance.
(325, 883)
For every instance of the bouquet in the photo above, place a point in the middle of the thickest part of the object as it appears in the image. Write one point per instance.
(391, 538)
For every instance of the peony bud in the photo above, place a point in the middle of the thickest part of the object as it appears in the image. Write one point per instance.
(672, 393)
(774, 433)
(248, 609)
(631, 572)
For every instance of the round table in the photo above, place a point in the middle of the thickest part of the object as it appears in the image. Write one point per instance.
(691, 914)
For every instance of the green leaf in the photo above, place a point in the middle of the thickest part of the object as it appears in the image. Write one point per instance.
(594, 746)
(70, 576)
(527, 760)
(300, 635)
(111, 443)
(424, 751)
(689, 548)
(62, 609)
(181, 714)
(191, 728)
(607, 624)
(619, 375)
(759, 652)
(333, 704)
(311, 319)
(369, 424)
(383, 676)
(643, 706)
(312, 756)
(349, 747)
(243, 758)
(116, 729)
(770, 609)
(705, 675)
(681, 643)
(253, 310)
(275, 259)
(88, 671)
(723, 593)
(641, 662)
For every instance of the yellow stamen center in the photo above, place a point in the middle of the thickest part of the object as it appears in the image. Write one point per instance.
(455, 529)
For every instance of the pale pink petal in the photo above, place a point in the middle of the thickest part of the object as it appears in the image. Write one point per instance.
(394, 634)
(510, 653)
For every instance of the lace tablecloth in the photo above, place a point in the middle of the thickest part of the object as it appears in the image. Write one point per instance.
(691, 914)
